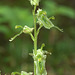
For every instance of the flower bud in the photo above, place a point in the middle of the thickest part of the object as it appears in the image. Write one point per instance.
(18, 26)
(40, 12)
(27, 30)
(34, 2)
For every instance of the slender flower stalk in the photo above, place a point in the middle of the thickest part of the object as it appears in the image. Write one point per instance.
(39, 55)
(35, 34)
(35, 37)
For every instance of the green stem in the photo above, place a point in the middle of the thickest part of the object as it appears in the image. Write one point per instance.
(39, 29)
(35, 33)
(35, 37)
(32, 37)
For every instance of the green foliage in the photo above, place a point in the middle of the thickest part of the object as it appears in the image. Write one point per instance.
(14, 56)
(4, 29)
(14, 16)
(66, 11)
(54, 9)
(38, 55)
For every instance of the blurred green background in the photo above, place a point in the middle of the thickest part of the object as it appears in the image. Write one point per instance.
(14, 56)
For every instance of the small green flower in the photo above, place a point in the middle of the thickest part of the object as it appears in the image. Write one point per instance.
(44, 20)
(27, 29)
(40, 12)
(39, 60)
(34, 2)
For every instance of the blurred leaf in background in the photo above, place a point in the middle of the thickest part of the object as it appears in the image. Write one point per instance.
(14, 16)
(11, 53)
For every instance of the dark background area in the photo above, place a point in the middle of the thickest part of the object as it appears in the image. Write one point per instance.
(14, 56)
